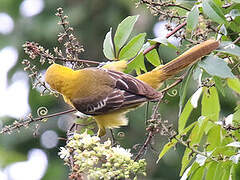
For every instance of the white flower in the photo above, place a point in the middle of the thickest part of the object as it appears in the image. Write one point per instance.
(64, 153)
(119, 151)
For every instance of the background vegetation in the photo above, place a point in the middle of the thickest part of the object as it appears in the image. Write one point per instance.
(91, 21)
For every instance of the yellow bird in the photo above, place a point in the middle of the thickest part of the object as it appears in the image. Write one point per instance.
(108, 95)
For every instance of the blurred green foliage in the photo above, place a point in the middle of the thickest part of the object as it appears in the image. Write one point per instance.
(91, 20)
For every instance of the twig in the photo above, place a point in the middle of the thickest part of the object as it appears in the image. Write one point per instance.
(147, 141)
(76, 60)
(147, 50)
(165, 4)
(236, 40)
(29, 120)
(150, 134)
(174, 84)
(154, 117)
(186, 144)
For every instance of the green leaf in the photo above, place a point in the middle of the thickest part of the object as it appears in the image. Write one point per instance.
(198, 173)
(219, 171)
(184, 87)
(172, 143)
(226, 174)
(192, 103)
(214, 137)
(162, 40)
(223, 170)
(108, 46)
(223, 30)
(198, 131)
(133, 47)
(137, 63)
(211, 169)
(192, 18)
(213, 11)
(210, 103)
(190, 170)
(187, 129)
(184, 116)
(195, 137)
(153, 57)
(219, 85)
(195, 97)
(216, 67)
(236, 115)
(236, 1)
(229, 47)
(234, 25)
(123, 31)
(166, 148)
(186, 159)
(234, 84)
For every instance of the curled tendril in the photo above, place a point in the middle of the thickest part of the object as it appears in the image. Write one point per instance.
(42, 111)
(121, 134)
(173, 93)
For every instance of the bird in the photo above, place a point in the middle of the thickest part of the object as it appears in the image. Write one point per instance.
(108, 94)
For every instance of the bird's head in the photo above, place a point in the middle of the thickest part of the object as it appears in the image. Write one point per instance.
(56, 75)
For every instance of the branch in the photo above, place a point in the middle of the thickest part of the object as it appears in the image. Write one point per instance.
(77, 60)
(164, 4)
(29, 120)
(150, 134)
(147, 50)
(179, 80)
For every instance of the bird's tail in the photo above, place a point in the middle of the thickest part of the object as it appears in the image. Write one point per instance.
(155, 77)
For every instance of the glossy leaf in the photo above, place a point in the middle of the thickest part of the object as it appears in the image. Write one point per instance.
(198, 173)
(184, 116)
(195, 97)
(137, 64)
(173, 142)
(194, 167)
(234, 84)
(133, 47)
(229, 47)
(211, 62)
(219, 171)
(153, 57)
(210, 103)
(186, 159)
(192, 18)
(198, 130)
(123, 31)
(183, 89)
(211, 170)
(192, 103)
(234, 144)
(211, 9)
(166, 148)
(162, 40)
(235, 158)
(108, 46)
(236, 115)
(214, 137)
(219, 84)
(195, 137)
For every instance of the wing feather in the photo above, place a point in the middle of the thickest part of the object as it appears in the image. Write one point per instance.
(128, 92)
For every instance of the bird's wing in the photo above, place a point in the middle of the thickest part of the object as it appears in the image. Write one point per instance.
(128, 92)
(133, 86)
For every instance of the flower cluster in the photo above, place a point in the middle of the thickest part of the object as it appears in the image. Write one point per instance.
(85, 154)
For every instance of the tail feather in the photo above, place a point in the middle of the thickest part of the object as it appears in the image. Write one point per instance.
(189, 57)
(161, 73)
